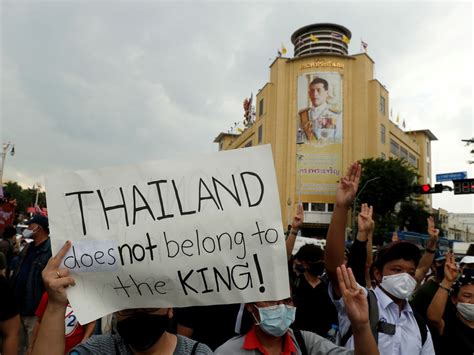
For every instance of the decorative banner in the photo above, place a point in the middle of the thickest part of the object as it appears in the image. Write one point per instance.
(179, 233)
(320, 119)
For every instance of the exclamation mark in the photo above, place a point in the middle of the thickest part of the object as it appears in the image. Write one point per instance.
(259, 272)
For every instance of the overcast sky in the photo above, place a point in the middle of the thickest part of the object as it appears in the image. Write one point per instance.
(87, 84)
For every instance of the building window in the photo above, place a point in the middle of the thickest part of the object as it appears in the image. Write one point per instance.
(249, 144)
(382, 105)
(394, 148)
(330, 207)
(403, 153)
(260, 134)
(305, 206)
(260, 108)
(412, 160)
(318, 207)
(382, 133)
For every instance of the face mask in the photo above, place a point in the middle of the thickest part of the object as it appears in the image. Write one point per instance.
(142, 330)
(300, 268)
(400, 286)
(275, 320)
(27, 233)
(466, 310)
(316, 269)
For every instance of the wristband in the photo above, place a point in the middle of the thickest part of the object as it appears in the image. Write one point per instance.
(445, 288)
(292, 231)
(430, 251)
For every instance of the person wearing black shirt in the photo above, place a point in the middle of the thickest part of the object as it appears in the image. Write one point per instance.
(314, 310)
(453, 317)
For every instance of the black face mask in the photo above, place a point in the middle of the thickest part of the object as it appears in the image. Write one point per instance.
(316, 269)
(300, 268)
(142, 330)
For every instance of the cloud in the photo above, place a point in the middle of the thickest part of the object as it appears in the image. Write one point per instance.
(91, 84)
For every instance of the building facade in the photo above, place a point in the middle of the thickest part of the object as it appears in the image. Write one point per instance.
(320, 111)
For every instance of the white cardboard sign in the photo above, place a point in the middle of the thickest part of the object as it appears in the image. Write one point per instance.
(196, 231)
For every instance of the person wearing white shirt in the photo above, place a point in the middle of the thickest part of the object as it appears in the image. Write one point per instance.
(398, 332)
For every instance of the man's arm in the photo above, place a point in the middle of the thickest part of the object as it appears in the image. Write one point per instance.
(358, 253)
(335, 240)
(50, 338)
(10, 330)
(295, 227)
(428, 255)
(438, 304)
(357, 309)
(34, 335)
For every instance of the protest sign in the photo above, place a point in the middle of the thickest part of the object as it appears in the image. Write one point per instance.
(197, 231)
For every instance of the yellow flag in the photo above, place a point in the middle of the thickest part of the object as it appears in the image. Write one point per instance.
(345, 39)
(283, 49)
(313, 38)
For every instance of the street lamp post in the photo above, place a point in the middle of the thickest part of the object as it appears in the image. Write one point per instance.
(299, 157)
(355, 205)
(6, 147)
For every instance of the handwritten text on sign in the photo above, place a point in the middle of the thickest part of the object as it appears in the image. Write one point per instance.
(171, 233)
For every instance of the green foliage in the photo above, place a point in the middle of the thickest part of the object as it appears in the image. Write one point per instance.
(412, 217)
(24, 197)
(395, 184)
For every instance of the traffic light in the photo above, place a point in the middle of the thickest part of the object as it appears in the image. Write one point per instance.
(427, 189)
(463, 186)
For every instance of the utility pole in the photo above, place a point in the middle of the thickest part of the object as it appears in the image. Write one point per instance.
(5, 148)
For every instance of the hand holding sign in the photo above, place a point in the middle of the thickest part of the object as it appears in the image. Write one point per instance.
(57, 279)
(166, 234)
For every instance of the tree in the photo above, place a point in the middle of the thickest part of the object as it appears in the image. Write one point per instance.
(412, 217)
(24, 197)
(394, 184)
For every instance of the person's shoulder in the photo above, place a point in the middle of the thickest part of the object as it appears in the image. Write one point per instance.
(231, 346)
(101, 344)
(185, 346)
(317, 344)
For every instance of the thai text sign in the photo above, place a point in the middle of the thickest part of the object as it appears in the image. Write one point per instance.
(171, 233)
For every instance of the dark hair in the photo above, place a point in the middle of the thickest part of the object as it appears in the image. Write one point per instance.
(467, 278)
(9, 232)
(310, 253)
(397, 250)
(318, 80)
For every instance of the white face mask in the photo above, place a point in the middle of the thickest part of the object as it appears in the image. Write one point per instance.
(400, 286)
(466, 310)
(27, 233)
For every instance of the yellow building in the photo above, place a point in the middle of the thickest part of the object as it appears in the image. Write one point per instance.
(320, 111)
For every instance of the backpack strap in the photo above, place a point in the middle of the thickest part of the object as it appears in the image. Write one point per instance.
(193, 351)
(422, 325)
(373, 319)
(300, 340)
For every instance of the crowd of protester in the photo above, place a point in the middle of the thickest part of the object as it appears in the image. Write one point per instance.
(398, 301)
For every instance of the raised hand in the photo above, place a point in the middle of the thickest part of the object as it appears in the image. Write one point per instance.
(450, 269)
(298, 218)
(355, 300)
(57, 279)
(347, 188)
(432, 231)
(365, 222)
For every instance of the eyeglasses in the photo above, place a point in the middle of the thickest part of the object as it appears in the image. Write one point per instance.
(130, 311)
